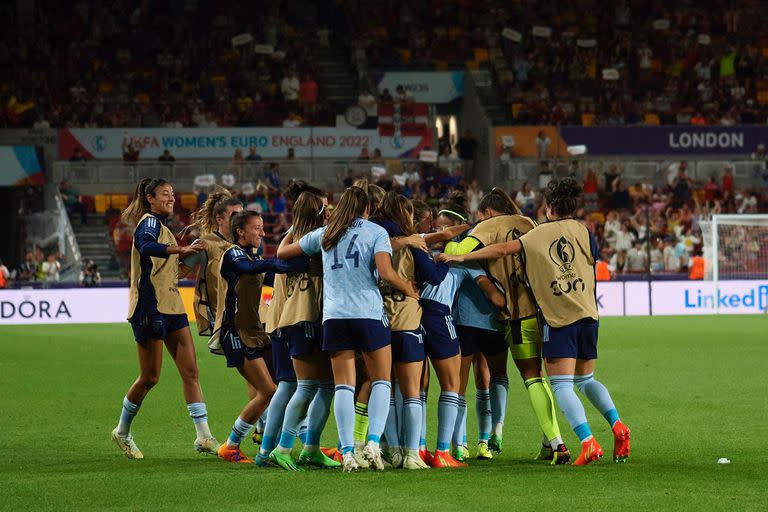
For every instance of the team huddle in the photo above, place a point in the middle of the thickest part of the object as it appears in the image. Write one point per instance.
(366, 297)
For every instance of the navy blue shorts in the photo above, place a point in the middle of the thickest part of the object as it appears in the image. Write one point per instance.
(281, 358)
(234, 349)
(475, 339)
(157, 326)
(362, 334)
(441, 340)
(575, 341)
(303, 339)
(408, 346)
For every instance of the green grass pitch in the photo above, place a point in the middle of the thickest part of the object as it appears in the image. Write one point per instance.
(692, 390)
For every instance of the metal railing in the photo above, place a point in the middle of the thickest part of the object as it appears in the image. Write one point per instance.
(53, 226)
(746, 173)
(183, 173)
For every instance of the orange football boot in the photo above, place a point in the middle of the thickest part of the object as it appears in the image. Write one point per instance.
(233, 455)
(444, 459)
(590, 452)
(620, 442)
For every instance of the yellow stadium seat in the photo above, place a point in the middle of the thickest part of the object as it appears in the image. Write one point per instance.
(652, 119)
(405, 54)
(587, 119)
(454, 32)
(101, 203)
(481, 54)
(473, 65)
(119, 201)
(189, 202)
(597, 217)
(516, 110)
(441, 65)
(762, 97)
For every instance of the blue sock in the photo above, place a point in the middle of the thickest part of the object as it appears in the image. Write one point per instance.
(295, 411)
(129, 412)
(399, 411)
(239, 430)
(598, 395)
(461, 422)
(344, 411)
(302, 435)
(317, 416)
(447, 409)
(423, 438)
(412, 422)
(483, 410)
(499, 390)
(573, 410)
(262, 421)
(199, 415)
(378, 409)
(275, 414)
(390, 428)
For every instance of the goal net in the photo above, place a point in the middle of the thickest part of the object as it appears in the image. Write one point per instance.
(735, 247)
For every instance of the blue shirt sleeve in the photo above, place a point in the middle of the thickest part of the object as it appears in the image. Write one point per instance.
(427, 269)
(237, 262)
(381, 242)
(146, 236)
(311, 243)
(472, 273)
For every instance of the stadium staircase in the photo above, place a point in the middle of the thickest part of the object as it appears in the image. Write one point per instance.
(336, 76)
(491, 98)
(95, 244)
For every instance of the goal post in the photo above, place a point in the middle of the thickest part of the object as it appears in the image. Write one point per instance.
(735, 246)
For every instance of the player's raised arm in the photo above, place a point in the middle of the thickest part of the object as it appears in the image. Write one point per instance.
(491, 252)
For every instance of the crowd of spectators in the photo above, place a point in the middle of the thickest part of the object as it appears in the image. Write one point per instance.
(208, 64)
(160, 64)
(633, 62)
(37, 267)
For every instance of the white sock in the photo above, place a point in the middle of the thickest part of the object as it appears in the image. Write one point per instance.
(498, 429)
(554, 443)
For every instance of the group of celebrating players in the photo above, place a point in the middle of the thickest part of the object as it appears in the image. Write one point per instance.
(366, 296)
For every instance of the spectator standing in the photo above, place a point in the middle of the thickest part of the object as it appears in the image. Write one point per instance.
(386, 96)
(402, 96)
(89, 276)
(637, 259)
(166, 157)
(71, 198)
(130, 152)
(273, 176)
(474, 196)
(308, 93)
(466, 147)
(671, 261)
(5, 275)
(368, 102)
(51, 268)
(526, 200)
(27, 269)
(253, 156)
(728, 179)
(77, 155)
(290, 87)
(542, 145)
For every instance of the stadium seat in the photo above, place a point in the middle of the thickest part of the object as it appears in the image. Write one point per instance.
(587, 119)
(119, 201)
(481, 55)
(101, 203)
(652, 119)
(189, 202)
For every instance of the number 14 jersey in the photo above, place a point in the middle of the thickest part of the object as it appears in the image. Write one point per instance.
(350, 279)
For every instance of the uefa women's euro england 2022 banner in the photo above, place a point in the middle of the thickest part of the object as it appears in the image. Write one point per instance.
(270, 143)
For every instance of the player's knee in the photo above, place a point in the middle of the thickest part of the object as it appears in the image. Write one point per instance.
(189, 373)
(150, 380)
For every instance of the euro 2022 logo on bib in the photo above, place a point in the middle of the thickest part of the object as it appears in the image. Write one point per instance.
(562, 254)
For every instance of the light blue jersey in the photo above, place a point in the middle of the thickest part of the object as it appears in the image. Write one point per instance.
(445, 292)
(473, 309)
(350, 280)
